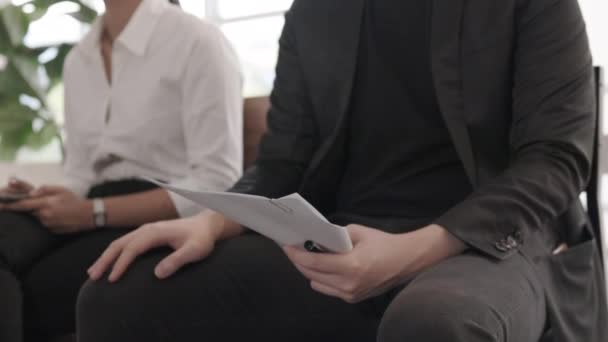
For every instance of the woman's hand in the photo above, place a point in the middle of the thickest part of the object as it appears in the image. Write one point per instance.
(59, 209)
(378, 262)
(17, 186)
(192, 239)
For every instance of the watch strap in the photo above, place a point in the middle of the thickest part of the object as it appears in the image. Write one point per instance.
(99, 213)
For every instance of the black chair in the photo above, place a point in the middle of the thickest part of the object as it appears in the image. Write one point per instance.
(594, 208)
(592, 194)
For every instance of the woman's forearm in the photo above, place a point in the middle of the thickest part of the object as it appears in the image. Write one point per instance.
(138, 209)
(156, 205)
(223, 227)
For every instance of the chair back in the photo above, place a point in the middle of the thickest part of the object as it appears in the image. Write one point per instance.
(594, 208)
(255, 113)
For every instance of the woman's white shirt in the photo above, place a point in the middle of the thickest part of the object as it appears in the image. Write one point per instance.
(172, 112)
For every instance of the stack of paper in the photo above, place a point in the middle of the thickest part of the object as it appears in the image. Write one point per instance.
(289, 220)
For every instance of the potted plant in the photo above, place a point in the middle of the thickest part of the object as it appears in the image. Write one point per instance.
(28, 74)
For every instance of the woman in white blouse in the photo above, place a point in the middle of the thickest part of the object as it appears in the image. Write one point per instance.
(150, 91)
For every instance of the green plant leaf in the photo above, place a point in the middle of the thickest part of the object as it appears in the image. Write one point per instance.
(38, 13)
(12, 140)
(41, 138)
(24, 74)
(14, 115)
(8, 153)
(15, 23)
(5, 40)
(11, 82)
(89, 13)
(28, 73)
(54, 68)
(85, 15)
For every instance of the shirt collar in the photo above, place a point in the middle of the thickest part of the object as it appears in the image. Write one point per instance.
(136, 35)
(91, 41)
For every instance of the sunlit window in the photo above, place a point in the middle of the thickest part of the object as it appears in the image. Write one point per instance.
(228, 9)
(597, 26)
(253, 27)
(196, 7)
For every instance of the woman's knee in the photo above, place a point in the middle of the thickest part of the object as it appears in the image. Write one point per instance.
(98, 302)
(431, 315)
(136, 303)
(134, 295)
(104, 311)
(22, 241)
(207, 293)
(11, 311)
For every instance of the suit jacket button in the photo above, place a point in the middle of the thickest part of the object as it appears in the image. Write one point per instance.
(519, 237)
(502, 246)
(511, 242)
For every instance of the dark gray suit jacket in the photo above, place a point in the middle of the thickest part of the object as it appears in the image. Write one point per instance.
(514, 83)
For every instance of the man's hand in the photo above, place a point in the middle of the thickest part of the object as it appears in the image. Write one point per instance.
(59, 209)
(378, 262)
(192, 238)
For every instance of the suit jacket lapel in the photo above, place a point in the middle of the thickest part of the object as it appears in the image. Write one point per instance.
(340, 44)
(446, 42)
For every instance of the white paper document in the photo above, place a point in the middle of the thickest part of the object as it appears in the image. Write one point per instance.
(289, 220)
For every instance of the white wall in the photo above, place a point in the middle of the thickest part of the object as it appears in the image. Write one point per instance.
(36, 173)
(596, 15)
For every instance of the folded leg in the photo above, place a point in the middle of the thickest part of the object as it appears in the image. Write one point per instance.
(469, 298)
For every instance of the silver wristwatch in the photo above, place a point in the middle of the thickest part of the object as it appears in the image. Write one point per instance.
(99, 213)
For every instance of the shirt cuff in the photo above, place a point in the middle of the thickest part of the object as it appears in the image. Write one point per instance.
(482, 231)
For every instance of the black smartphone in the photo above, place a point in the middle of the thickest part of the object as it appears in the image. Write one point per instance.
(7, 198)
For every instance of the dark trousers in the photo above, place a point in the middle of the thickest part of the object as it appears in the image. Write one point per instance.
(41, 273)
(247, 290)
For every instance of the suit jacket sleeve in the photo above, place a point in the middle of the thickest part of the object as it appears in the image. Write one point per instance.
(292, 137)
(551, 136)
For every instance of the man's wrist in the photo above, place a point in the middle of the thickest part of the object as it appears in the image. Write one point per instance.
(446, 241)
(435, 244)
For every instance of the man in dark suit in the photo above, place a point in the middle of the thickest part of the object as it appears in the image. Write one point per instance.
(452, 138)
